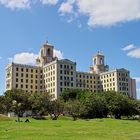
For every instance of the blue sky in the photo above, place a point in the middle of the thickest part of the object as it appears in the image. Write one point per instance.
(77, 29)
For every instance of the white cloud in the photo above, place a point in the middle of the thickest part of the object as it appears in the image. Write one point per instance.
(137, 79)
(24, 4)
(109, 12)
(98, 12)
(24, 58)
(138, 90)
(105, 12)
(134, 53)
(30, 58)
(129, 47)
(49, 2)
(66, 7)
(58, 53)
(16, 4)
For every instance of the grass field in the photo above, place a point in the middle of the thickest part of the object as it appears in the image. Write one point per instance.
(66, 129)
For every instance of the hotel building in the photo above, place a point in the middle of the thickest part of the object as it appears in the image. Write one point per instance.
(53, 76)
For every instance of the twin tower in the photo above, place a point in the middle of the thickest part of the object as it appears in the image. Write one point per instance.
(46, 55)
(99, 64)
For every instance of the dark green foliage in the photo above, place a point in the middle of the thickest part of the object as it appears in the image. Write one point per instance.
(96, 107)
(38, 103)
(55, 108)
(73, 102)
(73, 94)
(73, 108)
(99, 105)
(120, 105)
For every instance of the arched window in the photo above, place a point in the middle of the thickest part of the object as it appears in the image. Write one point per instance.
(48, 51)
(101, 61)
(95, 61)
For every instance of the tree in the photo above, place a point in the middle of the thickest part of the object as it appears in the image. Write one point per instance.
(55, 108)
(39, 103)
(73, 108)
(120, 105)
(19, 96)
(73, 94)
(2, 104)
(17, 109)
(96, 107)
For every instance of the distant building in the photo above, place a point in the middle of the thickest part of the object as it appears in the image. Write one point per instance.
(133, 88)
(53, 76)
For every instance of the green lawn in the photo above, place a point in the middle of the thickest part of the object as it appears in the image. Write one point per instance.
(66, 129)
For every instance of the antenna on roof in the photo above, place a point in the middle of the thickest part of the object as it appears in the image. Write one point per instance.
(47, 40)
(98, 50)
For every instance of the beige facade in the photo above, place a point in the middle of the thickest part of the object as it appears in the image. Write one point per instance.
(58, 76)
(54, 76)
(116, 80)
(88, 81)
(25, 77)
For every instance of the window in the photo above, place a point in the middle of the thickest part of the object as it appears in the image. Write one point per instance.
(21, 74)
(71, 78)
(22, 69)
(49, 52)
(16, 69)
(16, 74)
(26, 70)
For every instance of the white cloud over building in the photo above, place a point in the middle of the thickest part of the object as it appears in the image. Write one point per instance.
(30, 58)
